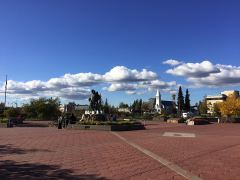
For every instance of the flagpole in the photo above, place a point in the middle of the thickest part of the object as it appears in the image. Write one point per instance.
(5, 101)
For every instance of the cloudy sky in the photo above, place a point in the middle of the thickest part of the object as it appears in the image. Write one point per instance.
(124, 49)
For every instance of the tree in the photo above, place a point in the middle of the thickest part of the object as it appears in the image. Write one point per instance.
(137, 106)
(146, 107)
(202, 107)
(2, 106)
(140, 105)
(230, 107)
(106, 107)
(42, 108)
(12, 112)
(187, 105)
(216, 110)
(180, 100)
(71, 107)
(152, 102)
(173, 97)
(112, 109)
(123, 105)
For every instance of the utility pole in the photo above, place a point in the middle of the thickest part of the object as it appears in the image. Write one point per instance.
(5, 101)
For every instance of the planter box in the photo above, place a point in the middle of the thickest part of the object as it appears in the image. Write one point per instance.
(3, 125)
(190, 123)
(172, 121)
(107, 127)
(197, 121)
(175, 120)
(229, 120)
(158, 118)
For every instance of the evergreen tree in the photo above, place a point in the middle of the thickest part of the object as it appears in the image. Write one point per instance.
(133, 107)
(187, 105)
(174, 97)
(180, 100)
(137, 106)
(140, 105)
(106, 107)
(123, 105)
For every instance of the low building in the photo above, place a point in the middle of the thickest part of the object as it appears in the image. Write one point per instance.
(125, 110)
(72, 107)
(212, 100)
(81, 107)
(231, 93)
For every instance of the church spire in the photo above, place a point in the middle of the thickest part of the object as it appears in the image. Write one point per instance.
(158, 93)
(158, 102)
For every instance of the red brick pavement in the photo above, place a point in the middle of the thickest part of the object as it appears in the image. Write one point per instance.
(213, 154)
(49, 153)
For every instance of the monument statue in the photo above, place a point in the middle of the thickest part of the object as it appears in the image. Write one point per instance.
(95, 102)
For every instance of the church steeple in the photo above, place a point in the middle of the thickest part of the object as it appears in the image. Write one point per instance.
(158, 102)
(158, 93)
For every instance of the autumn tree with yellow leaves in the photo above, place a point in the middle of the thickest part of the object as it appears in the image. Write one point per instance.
(230, 107)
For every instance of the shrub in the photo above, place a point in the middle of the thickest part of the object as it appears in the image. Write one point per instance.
(12, 112)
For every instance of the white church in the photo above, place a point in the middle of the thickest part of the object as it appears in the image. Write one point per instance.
(162, 105)
(158, 105)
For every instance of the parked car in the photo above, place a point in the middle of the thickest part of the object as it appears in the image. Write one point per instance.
(186, 115)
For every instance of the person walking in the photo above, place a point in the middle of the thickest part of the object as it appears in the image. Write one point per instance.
(60, 122)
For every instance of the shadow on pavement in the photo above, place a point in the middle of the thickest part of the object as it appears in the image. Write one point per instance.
(14, 170)
(33, 124)
(9, 149)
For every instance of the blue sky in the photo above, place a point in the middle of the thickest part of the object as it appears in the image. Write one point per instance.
(40, 40)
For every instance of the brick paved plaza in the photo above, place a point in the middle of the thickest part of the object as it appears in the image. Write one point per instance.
(49, 153)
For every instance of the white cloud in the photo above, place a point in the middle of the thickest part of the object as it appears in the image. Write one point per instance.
(158, 84)
(203, 69)
(172, 62)
(121, 87)
(123, 74)
(131, 92)
(35, 89)
(77, 86)
(161, 84)
(80, 79)
(136, 88)
(73, 93)
(173, 92)
(228, 76)
(207, 74)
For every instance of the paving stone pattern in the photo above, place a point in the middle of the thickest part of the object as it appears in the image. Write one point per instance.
(49, 153)
(213, 154)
